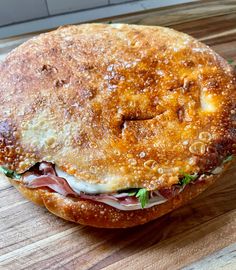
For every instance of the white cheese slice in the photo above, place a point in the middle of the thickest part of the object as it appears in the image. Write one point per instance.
(79, 185)
(155, 201)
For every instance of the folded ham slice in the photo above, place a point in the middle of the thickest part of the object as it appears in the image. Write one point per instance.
(46, 176)
(55, 183)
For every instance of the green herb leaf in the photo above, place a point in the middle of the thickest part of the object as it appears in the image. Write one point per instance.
(187, 178)
(230, 61)
(229, 158)
(143, 196)
(10, 173)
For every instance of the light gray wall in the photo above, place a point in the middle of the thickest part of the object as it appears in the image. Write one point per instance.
(12, 11)
(26, 16)
(63, 6)
(117, 1)
(15, 11)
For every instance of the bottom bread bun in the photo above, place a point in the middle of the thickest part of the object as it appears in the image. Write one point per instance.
(96, 214)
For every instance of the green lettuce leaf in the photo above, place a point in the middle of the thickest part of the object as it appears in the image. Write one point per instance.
(10, 173)
(229, 158)
(143, 196)
(187, 178)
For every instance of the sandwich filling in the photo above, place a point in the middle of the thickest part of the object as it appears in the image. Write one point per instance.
(47, 175)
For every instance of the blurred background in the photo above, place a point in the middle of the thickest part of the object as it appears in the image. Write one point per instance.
(19, 17)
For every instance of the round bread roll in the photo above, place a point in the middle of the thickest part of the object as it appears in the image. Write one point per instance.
(115, 125)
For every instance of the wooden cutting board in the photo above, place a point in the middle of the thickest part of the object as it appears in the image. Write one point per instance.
(204, 231)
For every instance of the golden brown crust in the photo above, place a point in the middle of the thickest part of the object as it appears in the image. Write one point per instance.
(101, 215)
(121, 104)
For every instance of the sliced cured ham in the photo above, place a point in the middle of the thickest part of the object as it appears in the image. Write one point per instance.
(45, 175)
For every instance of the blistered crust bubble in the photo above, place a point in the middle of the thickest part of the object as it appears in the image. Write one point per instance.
(126, 105)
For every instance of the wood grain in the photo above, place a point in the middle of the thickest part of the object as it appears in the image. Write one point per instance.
(32, 238)
(223, 259)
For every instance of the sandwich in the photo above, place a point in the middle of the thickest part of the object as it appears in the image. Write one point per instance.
(115, 125)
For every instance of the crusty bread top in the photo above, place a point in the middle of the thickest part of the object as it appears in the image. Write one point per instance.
(124, 104)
